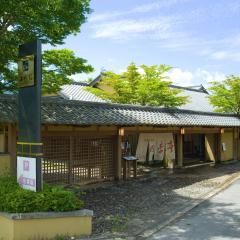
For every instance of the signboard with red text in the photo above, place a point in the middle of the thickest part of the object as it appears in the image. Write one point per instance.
(26, 172)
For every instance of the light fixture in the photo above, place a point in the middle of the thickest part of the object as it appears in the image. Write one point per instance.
(182, 131)
(222, 130)
(121, 131)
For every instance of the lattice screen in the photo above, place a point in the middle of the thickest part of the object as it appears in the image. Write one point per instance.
(78, 159)
(56, 159)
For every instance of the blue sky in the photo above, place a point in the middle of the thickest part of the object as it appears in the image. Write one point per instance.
(199, 38)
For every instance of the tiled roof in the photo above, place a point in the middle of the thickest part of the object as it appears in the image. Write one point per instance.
(88, 113)
(197, 98)
(197, 101)
(76, 91)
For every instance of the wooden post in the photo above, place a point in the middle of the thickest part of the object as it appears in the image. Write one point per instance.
(12, 147)
(179, 150)
(70, 160)
(218, 147)
(118, 174)
(238, 142)
(235, 144)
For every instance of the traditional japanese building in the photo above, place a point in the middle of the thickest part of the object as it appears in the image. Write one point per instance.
(84, 141)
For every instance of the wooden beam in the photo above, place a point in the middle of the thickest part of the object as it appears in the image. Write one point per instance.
(218, 147)
(80, 134)
(70, 163)
(12, 147)
(118, 174)
(235, 143)
(238, 143)
(179, 150)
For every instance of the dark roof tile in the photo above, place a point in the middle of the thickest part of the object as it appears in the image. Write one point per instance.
(61, 111)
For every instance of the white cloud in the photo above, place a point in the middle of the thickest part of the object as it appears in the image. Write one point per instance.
(128, 29)
(226, 55)
(199, 76)
(186, 78)
(140, 9)
(173, 31)
(157, 5)
(181, 77)
(205, 77)
(220, 55)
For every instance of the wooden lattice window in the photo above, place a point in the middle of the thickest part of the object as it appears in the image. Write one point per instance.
(74, 159)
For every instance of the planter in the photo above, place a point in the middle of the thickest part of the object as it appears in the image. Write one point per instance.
(45, 225)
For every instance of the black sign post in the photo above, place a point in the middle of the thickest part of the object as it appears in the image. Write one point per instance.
(29, 116)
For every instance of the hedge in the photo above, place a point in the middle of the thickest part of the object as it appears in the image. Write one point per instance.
(14, 199)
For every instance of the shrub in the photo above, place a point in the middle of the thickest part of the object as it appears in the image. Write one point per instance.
(14, 199)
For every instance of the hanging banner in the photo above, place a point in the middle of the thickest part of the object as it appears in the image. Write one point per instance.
(159, 145)
(143, 145)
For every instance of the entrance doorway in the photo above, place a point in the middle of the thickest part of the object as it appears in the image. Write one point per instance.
(193, 148)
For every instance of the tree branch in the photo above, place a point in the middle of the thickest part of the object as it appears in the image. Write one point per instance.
(5, 24)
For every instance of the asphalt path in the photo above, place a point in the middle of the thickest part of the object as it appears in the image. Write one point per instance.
(218, 218)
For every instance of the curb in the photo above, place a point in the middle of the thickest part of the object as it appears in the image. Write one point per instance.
(194, 204)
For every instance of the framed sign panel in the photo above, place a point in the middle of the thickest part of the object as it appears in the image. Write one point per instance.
(26, 71)
(26, 172)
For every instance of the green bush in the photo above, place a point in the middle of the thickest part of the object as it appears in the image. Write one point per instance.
(14, 199)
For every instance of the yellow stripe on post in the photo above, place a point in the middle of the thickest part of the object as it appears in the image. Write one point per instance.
(30, 143)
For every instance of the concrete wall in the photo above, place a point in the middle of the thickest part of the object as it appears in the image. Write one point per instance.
(210, 147)
(44, 228)
(227, 139)
(6, 229)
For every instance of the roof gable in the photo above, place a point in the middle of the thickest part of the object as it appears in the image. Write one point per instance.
(76, 91)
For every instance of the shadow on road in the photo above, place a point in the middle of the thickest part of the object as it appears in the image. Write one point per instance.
(216, 218)
(134, 206)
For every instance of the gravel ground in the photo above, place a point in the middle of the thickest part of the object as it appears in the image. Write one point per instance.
(123, 210)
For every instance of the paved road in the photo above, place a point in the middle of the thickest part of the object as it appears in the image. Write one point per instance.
(216, 219)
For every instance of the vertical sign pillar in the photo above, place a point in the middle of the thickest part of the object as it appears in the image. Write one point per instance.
(29, 155)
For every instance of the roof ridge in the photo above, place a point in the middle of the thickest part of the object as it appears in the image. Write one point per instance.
(132, 106)
(189, 88)
(46, 100)
(78, 83)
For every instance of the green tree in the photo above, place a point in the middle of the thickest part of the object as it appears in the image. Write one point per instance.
(149, 88)
(225, 95)
(58, 66)
(22, 21)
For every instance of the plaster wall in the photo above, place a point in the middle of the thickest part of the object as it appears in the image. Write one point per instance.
(210, 147)
(227, 140)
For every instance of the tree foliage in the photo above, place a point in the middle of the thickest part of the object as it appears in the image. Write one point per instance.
(149, 88)
(22, 21)
(225, 95)
(58, 66)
